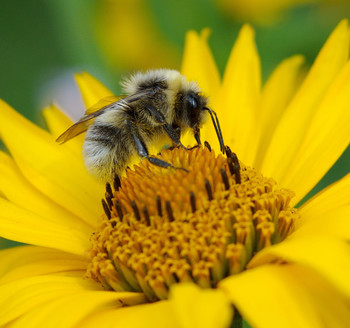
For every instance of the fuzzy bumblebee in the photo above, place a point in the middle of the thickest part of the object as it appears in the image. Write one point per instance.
(160, 105)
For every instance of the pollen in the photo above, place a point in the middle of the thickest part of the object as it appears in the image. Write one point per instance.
(201, 224)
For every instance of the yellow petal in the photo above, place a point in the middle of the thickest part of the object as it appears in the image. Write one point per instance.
(285, 78)
(91, 89)
(328, 256)
(330, 198)
(294, 124)
(49, 167)
(159, 314)
(31, 199)
(58, 123)
(240, 96)
(27, 261)
(265, 13)
(198, 308)
(331, 223)
(20, 296)
(129, 37)
(23, 226)
(326, 139)
(69, 310)
(287, 296)
(56, 120)
(198, 64)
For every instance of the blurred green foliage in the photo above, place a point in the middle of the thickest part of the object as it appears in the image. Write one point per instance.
(40, 39)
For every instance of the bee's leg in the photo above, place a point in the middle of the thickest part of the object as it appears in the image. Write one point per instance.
(173, 133)
(177, 130)
(197, 136)
(143, 151)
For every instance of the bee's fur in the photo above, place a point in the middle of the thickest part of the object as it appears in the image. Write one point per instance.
(160, 105)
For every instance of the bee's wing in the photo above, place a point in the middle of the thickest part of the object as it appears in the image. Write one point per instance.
(101, 104)
(99, 108)
(92, 112)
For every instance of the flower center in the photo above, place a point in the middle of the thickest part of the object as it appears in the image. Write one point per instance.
(164, 226)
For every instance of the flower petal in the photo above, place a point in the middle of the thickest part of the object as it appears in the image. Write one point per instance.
(197, 308)
(27, 261)
(331, 223)
(286, 79)
(21, 225)
(49, 167)
(31, 199)
(20, 296)
(240, 96)
(326, 139)
(57, 123)
(128, 36)
(159, 314)
(73, 308)
(56, 120)
(199, 65)
(293, 126)
(286, 296)
(327, 256)
(91, 89)
(334, 196)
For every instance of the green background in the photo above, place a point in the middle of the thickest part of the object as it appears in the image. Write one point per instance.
(41, 39)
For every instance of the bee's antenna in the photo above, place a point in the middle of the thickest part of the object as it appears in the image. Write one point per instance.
(217, 128)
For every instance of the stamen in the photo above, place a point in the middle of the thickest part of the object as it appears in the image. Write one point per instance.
(109, 201)
(237, 174)
(229, 160)
(116, 183)
(228, 151)
(237, 168)
(159, 205)
(109, 191)
(230, 166)
(169, 211)
(235, 160)
(236, 254)
(136, 210)
(208, 188)
(233, 163)
(206, 144)
(193, 201)
(118, 207)
(225, 178)
(146, 215)
(106, 209)
(207, 232)
(265, 231)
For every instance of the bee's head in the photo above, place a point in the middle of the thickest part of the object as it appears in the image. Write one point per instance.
(194, 105)
(193, 111)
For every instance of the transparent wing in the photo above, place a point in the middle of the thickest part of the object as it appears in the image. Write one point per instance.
(101, 104)
(91, 113)
(107, 103)
(73, 131)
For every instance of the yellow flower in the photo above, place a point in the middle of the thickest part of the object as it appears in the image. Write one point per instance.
(292, 129)
(130, 38)
(268, 11)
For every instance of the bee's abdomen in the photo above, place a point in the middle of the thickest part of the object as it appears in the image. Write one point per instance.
(106, 150)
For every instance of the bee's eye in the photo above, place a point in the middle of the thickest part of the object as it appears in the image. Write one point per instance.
(192, 101)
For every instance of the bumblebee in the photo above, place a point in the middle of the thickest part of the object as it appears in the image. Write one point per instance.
(160, 105)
